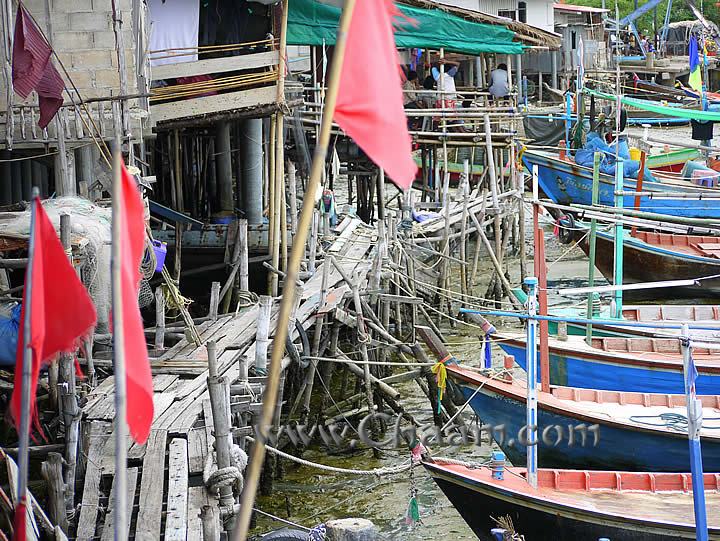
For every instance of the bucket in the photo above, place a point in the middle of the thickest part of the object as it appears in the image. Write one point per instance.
(635, 154)
(160, 249)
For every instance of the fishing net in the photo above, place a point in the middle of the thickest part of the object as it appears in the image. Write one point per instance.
(90, 235)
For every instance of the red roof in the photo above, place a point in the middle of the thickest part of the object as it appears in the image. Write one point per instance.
(579, 9)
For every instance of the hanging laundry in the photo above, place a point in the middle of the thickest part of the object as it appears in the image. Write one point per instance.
(32, 68)
(174, 28)
(702, 131)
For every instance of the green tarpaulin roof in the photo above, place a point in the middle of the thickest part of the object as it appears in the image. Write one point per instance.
(313, 23)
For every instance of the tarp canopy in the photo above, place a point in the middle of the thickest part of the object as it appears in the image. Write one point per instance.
(314, 23)
(645, 105)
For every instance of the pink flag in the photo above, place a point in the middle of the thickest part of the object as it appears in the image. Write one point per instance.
(370, 100)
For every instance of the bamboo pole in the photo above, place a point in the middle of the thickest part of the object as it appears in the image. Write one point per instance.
(25, 406)
(592, 240)
(463, 233)
(120, 429)
(257, 454)
(272, 239)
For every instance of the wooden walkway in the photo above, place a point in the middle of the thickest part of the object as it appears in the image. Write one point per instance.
(165, 477)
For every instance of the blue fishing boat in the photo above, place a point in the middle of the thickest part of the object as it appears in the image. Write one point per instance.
(644, 365)
(591, 429)
(566, 182)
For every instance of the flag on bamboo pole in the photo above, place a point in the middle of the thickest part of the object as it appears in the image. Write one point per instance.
(32, 68)
(61, 311)
(370, 99)
(60, 314)
(695, 78)
(138, 378)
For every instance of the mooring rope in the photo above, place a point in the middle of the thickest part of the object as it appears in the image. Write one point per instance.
(393, 470)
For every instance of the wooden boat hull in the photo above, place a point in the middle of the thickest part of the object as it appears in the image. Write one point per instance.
(570, 367)
(566, 183)
(613, 445)
(479, 498)
(646, 263)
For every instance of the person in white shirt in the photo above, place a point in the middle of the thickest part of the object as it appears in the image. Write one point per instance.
(446, 82)
(499, 87)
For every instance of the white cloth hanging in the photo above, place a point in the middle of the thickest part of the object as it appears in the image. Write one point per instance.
(174, 24)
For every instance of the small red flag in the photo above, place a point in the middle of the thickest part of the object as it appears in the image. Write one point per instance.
(138, 377)
(61, 314)
(32, 68)
(370, 100)
(20, 520)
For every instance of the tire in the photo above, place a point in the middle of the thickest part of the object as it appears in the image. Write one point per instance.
(285, 534)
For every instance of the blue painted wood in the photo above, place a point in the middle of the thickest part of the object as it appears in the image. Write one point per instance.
(616, 449)
(579, 371)
(566, 183)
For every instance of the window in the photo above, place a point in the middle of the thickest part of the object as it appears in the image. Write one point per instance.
(522, 12)
(507, 13)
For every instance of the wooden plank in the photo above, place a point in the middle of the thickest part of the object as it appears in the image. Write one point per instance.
(197, 498)
(99, 393)
(108, 527)
(187, 419)
(197, 450)
(91, 490)
(33, 533)
(162, 382)
(204, 105)
(177, 500)
(215, 65)
(152, 487)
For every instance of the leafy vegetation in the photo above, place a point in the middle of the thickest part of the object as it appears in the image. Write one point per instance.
(678, 12)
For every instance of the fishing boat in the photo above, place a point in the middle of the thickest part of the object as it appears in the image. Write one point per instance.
(645, 365)
(566, 182)
(591, 429)
(577, 505)
(656, 257)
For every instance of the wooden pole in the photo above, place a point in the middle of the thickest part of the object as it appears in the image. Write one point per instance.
(257, 454)
(120, 428)
(597, 158)
(159, 319)
(541, 290)
(262, 333)
(273, 249)
(25, 406)
(463, 232)
(68, 395)
(221, 422)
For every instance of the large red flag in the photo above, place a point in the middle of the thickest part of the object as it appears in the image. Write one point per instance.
(138, 377)
(370, 101)
(61, 314)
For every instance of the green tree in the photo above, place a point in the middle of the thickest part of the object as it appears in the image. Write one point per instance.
(678, 12)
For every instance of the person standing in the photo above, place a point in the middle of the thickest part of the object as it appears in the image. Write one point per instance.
(446, 83)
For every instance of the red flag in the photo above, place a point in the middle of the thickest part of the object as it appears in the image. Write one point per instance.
(138, 377)
(20, 520)
(32, 68)
(61, 314)
(370, 101)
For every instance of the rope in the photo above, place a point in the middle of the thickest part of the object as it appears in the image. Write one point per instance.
(393, 470)
(228, 476)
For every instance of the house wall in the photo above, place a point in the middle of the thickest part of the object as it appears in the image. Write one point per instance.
(540, 13)
(81, 32)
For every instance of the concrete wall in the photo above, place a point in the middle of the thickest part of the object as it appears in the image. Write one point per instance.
(540, 14)
(81, 32)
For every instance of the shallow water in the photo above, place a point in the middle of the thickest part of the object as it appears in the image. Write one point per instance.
(308, 497)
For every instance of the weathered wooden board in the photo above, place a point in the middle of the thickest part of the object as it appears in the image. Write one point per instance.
(177, 499)
(87, 522)
(197, 450)
(152, 488)
(109, 526)
(197, 498)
